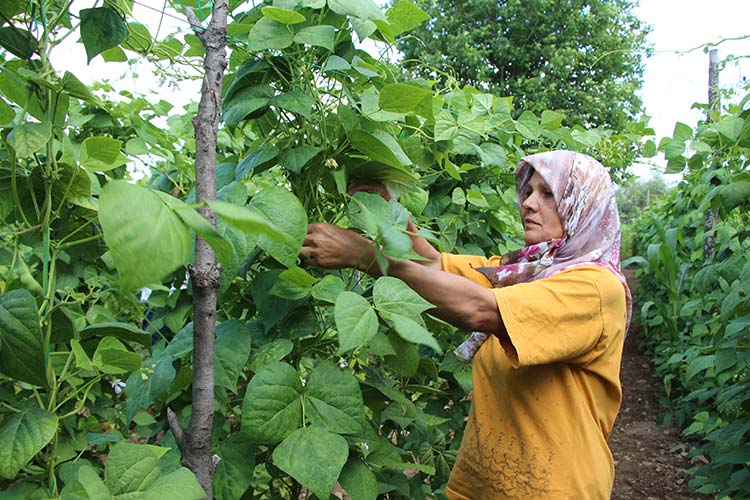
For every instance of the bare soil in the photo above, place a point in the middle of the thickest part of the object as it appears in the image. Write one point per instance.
(650, 458)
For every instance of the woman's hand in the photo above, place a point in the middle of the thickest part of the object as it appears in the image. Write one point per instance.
(332, 247)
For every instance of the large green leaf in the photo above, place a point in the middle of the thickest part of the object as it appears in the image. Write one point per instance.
(294, 283)
(112, 357)
(102, 28)
(296, 102)
(85, 485)
(199, 225)
(100, 154)
(314, 457)
(411, 330)
(249, 102)
(403, 16)
(122, 331)
(319, 36)
(270, 34)
(19, 42)
(284, 16)
(29, 137)
(328, 288)
(356, 321)
(146, 238)
(22, 352)
(22, 436)
(333, 399)
(233, 344)
(402, 97)
(133, 472)
(358, 479)
(144, 390)
(362, 9)
(394, 296)
(272, 409)
(288, 217)
(7, 113)
(296, 158)
(380, 146)
(237, 459)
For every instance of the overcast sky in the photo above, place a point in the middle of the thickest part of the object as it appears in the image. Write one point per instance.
(675, 76)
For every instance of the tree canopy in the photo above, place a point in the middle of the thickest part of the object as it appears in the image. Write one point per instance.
(581, 57)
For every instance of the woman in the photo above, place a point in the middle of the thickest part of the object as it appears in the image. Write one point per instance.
(554, 316)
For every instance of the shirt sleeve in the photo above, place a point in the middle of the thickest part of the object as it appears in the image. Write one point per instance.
(465, 265)
(558, 319)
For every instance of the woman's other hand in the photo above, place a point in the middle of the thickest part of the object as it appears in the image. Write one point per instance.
(332, 247)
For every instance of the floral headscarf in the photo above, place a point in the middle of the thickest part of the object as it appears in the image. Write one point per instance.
(587, 207)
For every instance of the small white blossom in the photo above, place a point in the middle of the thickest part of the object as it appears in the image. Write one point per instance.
(145, 294)
(343, 364)
(118, 386)
(303, 381)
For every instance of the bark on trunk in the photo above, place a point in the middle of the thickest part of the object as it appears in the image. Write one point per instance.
(195, 441)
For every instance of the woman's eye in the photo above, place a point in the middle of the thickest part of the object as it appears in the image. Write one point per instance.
(548, 194)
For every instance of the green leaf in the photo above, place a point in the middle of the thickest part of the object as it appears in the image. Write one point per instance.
(283, 16)
(288, 218)
(446, 126)
(682, 132)
(731, 127)
(362, 9)
(734, 195)
(294, 283)
(270, 34)
(356, 321)
(29, 137)
(269, 353)
(296, 102)
(22, 436)
(296, 158)
(261, 157)
(551, 120)
(122, 331)
(74, 87)
(85, 485)
(19, 42)
(380, 146)
(402, 97)
(7, 113)
(314, 457)
(100, 154)
(132, 467)
(391, 295)
(411, 330)
(357, 478)
(146, 238)
(180, 483)
(328, 288)
(22, 353)
(237, 458)
(199, 225)
(333, 400)
(82, 359)
(272, 409)
(102, 28)
(249, 102)
(403, 16)
(318, 36)
(112, 357)
(143, 391)
(139, 39)
(528, 125)
(233, 342)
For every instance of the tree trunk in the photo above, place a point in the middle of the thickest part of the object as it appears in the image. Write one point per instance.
(195, 441)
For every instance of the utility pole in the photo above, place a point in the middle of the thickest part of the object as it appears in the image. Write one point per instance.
(714, 106)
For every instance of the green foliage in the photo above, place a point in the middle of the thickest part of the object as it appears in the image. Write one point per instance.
(582, 58)
(321, 376)
(694, 307)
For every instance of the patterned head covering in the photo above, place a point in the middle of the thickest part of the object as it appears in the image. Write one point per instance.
(585, 199)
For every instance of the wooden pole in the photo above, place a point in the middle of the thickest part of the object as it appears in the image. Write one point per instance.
(714, 107)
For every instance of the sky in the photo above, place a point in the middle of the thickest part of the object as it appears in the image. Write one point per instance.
(675, 76)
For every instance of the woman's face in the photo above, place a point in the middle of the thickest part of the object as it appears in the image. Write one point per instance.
(539, 212)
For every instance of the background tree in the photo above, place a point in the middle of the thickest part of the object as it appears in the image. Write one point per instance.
(580, 57)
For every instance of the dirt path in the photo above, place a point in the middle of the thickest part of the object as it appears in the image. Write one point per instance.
(649, 458)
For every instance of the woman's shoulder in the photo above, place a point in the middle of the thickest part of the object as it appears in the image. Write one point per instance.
(603, 278)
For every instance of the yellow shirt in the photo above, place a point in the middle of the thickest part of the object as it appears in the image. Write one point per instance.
(543, 407)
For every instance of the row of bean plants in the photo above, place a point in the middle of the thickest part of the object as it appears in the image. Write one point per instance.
(694, 303)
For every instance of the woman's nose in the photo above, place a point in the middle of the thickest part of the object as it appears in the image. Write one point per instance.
(530, 202)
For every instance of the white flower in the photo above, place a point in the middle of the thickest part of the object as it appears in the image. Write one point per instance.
(343, 364)
(145, 294)
(118, 385)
